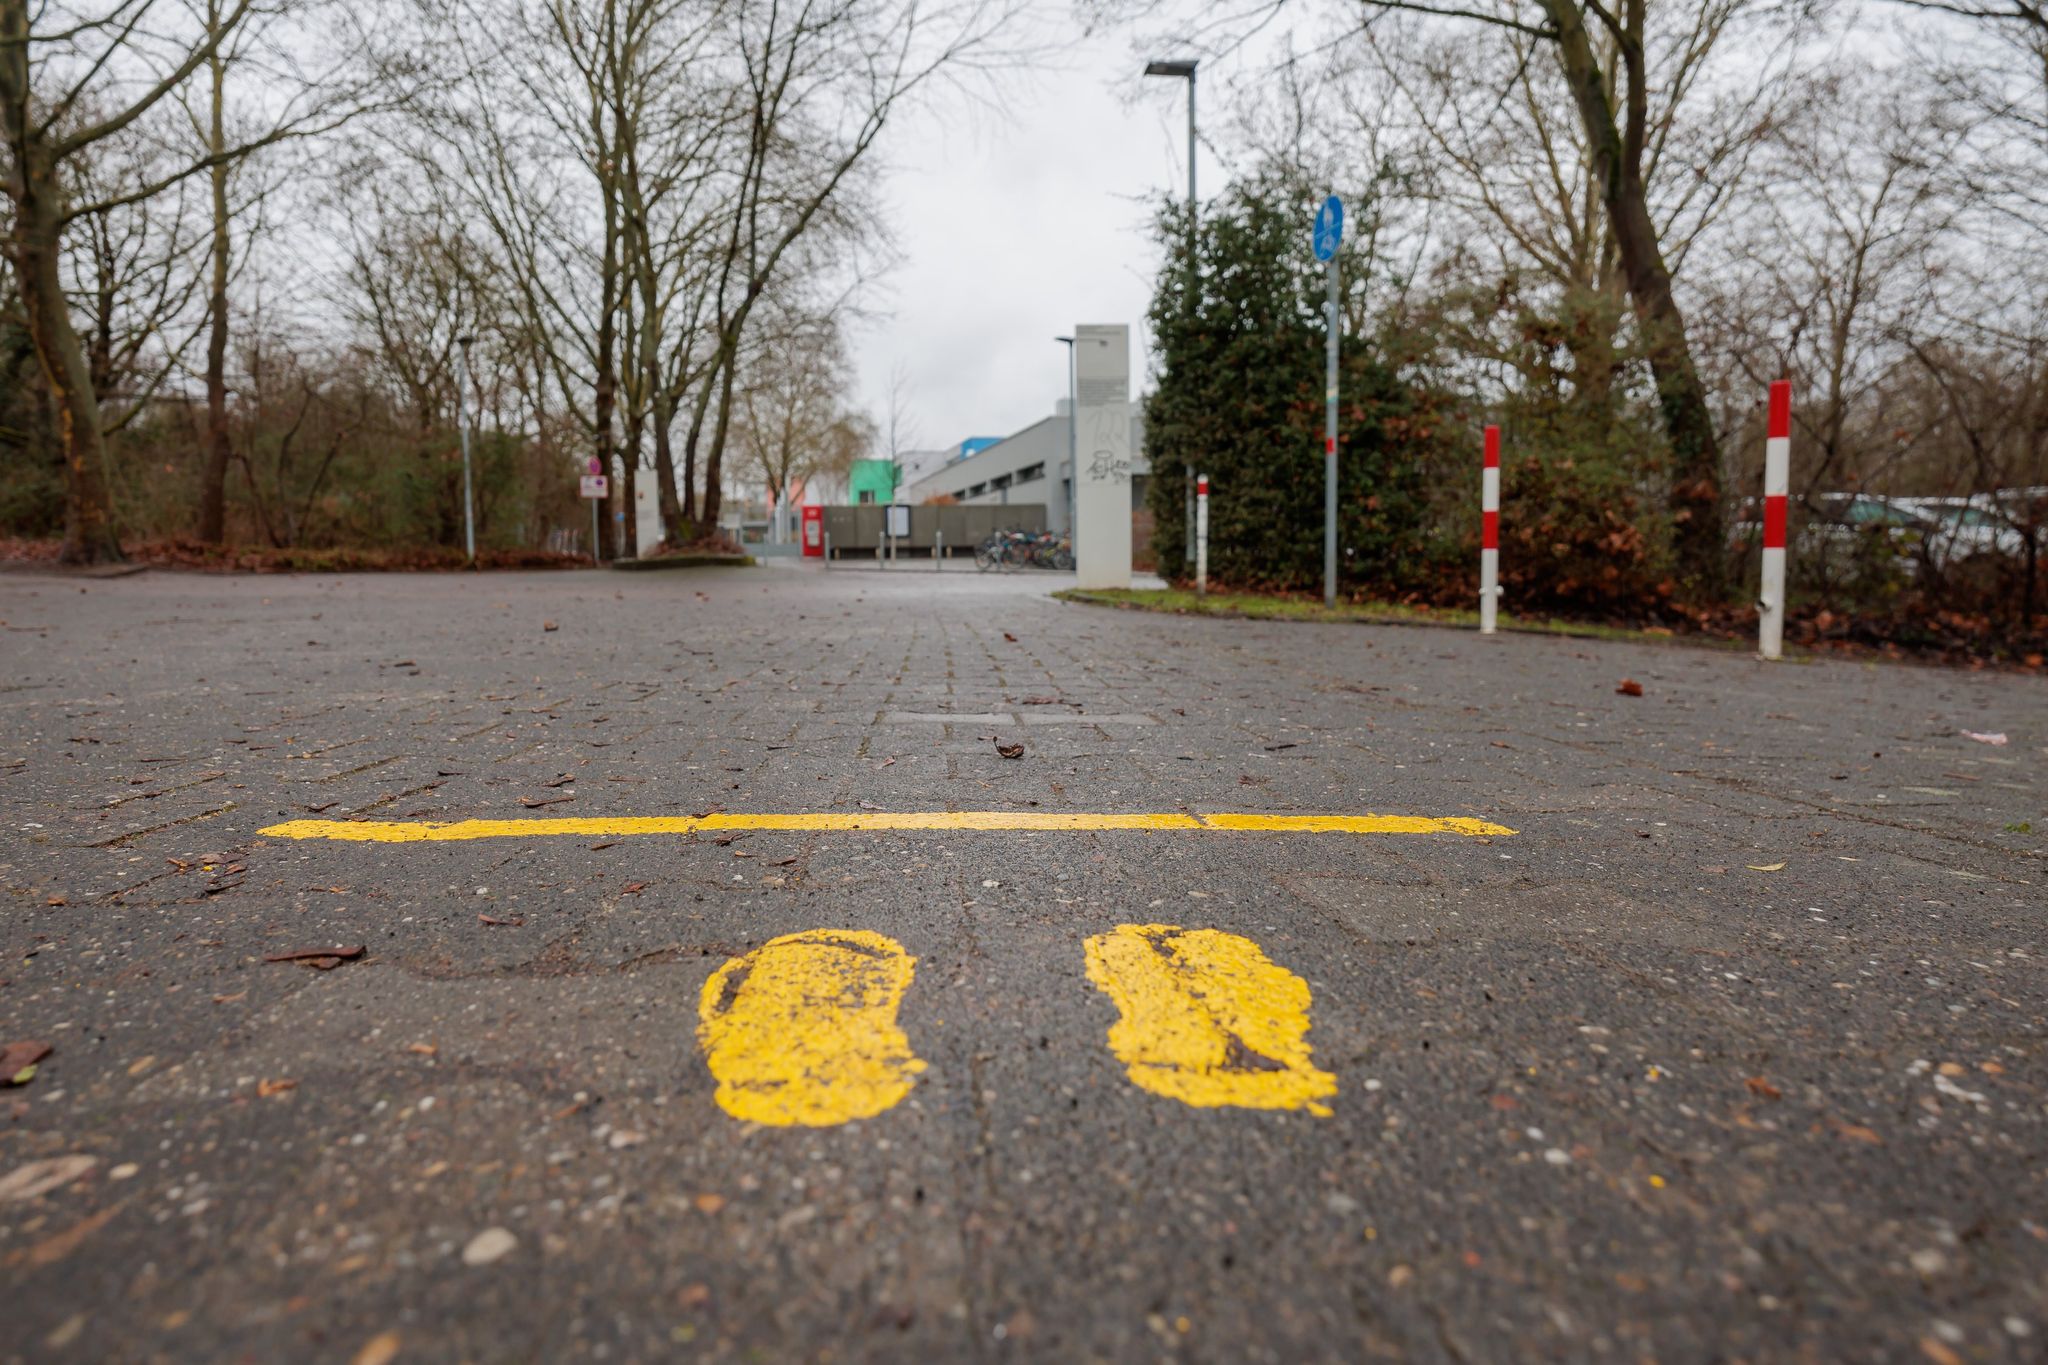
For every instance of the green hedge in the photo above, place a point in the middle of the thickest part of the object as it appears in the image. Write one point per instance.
(1240, 398)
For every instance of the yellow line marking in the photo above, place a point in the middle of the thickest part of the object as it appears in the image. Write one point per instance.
(1356, 824)
(803, 1029)
(618, 826)
(1207, 1019)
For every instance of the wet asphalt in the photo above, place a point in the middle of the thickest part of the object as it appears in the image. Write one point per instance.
(1734, 1051)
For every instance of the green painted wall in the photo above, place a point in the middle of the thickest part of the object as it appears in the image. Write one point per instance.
(871, 481)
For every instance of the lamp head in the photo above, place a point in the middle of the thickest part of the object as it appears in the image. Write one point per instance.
(1184, 67)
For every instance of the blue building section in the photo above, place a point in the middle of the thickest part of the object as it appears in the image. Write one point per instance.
(974, 445)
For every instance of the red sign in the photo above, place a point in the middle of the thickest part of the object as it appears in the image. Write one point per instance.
(814, 533)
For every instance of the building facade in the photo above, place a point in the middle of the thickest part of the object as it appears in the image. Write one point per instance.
(1030, 466)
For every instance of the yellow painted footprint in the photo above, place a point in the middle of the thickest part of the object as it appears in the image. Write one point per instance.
(1207, 1019)
(803, 1029)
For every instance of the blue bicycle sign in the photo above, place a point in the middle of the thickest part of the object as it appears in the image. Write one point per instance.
(1329, 227)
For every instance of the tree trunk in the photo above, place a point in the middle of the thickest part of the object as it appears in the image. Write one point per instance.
(607, 384)
(714, 462)
(213, 485)
(1695, 500)
(89, 536)
(629, 481)
(665, 461)
(30, 180)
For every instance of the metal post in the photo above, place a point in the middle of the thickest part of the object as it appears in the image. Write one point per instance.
(1202, 536)
(828, 549)
(1777, 484)
(1073, 445)
(938, 551)
(1330, 451)
(1489, 533)
(593, 529)
(462, 420)
(1187, 482)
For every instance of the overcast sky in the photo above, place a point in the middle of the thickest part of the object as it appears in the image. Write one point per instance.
(1015, 226)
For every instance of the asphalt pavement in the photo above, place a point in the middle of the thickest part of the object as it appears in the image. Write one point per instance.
(795, 1021)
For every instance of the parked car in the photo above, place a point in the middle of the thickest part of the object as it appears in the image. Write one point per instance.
(1840, 525)
(1964, 528)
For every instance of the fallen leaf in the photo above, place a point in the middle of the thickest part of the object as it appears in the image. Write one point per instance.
(1011, 638)
(610, 843)
(564, 780)
(1856, 1132)
(1938, 1353)
(18, 1061)
(531, 803)
(230, 999)
(1997, 740)
(694, 1295)
(1759, 1086)
(53, 1249)
(423, 1049)
(381, 1349)
(549, 625)
(632, 888)
(1765, 867)
(709, 1203)
(1630, 688)
(1009, 750)
(40, 1177)
(1040, 701)
(886, 763)
(511, 922)
(265, 1089)
(319, 959)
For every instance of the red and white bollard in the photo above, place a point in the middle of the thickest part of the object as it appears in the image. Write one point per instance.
(1777, 481)
(1489, 534)
(1202, 535)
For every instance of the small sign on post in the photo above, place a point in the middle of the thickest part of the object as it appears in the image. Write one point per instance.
(596, 486)
(1329, 235)
(1202, 535)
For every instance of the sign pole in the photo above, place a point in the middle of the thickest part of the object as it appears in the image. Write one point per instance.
(1330, 452)
(1329, 234)
(1202, 535)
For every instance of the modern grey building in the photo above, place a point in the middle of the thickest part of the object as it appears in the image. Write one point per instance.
(1029, 466)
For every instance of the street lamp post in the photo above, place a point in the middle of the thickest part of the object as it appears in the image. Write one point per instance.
(1073, 441)
(1185, 68)
(462, 420)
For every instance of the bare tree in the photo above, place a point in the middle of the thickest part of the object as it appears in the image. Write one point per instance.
(794, 422)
